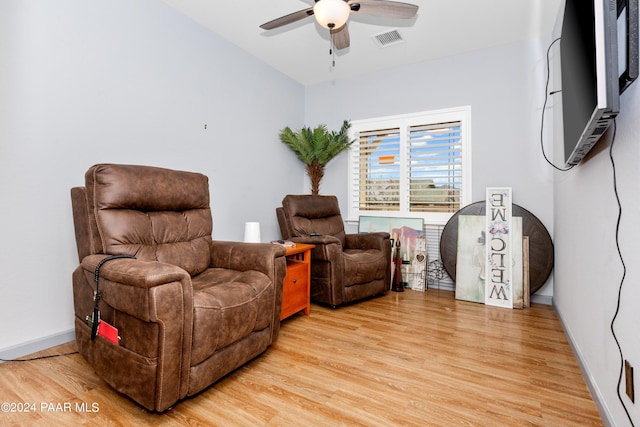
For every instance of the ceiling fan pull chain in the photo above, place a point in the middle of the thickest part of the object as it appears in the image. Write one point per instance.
(333, 52)
(332, 46)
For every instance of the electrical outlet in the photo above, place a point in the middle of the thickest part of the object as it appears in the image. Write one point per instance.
(628, 373)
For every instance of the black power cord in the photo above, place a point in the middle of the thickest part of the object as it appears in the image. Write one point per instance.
(95, 317)
(624, 272)
(39, 357)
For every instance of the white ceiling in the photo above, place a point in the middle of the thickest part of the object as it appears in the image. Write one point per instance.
(441, 28)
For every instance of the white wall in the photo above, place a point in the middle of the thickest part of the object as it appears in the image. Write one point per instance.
(125, 81)
(588, 272)
(504, 87)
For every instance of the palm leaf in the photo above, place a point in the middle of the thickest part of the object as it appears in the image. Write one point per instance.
(299, 142)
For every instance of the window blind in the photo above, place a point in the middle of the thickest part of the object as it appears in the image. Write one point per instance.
(378, 170)
(435, 171)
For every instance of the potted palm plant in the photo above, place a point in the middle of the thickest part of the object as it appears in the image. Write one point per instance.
(316, 147)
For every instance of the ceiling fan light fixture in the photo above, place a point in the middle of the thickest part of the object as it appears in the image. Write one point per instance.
(331, 13)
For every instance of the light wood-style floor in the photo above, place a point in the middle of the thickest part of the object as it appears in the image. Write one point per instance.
(411, 358)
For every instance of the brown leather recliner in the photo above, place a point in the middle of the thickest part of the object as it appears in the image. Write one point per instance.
(188, 309)
(344, 267)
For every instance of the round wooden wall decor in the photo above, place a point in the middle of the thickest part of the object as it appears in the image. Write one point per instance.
(540, 244)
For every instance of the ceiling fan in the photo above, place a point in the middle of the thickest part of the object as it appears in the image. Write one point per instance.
(333, 15)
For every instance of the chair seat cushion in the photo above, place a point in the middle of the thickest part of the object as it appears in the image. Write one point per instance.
(228, 305)
(362, 266)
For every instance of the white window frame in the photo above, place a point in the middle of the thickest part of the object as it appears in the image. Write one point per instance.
(404, 122)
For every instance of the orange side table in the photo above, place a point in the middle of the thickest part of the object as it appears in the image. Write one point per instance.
(297, 281)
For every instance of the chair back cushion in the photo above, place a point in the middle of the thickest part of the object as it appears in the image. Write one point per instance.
(308, 215)
(153, 213)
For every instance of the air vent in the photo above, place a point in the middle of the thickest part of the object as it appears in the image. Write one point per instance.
(388, 38)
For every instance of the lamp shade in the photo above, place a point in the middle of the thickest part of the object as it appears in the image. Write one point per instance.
(331, 13)
(252, 232)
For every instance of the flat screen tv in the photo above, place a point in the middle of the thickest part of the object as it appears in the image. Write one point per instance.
(590, 75)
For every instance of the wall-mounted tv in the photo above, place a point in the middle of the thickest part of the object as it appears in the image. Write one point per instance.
(591, 76)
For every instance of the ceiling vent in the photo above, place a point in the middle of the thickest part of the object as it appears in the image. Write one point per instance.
(388, 38)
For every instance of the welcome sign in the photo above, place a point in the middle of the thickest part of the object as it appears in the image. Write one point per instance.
(499, 259)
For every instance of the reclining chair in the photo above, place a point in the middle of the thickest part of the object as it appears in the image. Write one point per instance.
(188, 309)
(344, 267)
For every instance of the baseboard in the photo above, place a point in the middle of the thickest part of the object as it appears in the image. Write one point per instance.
(442, 286)
(542, 299)
(36, 345)
(588, 378)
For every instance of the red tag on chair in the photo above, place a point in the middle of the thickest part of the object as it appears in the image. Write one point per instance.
(108, 331)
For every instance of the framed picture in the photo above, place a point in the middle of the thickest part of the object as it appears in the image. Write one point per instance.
(470, 264)
(413, 245)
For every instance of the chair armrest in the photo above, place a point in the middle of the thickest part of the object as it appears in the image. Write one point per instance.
(242, 256)
(327, 247)
(133, 272)
(316, 240)
(125, 284)
(367, 241)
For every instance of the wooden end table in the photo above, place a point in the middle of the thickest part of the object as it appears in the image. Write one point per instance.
(297, 281)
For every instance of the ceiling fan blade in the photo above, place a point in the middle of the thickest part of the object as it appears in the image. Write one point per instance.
(391, 9)
(341, 37)
(287, 19)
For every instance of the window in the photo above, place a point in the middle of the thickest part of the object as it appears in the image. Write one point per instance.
(413, 165)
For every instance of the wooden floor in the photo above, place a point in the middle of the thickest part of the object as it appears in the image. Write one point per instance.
(411, 358)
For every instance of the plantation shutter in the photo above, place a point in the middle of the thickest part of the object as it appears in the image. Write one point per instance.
(377, 170)
(435, 167)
